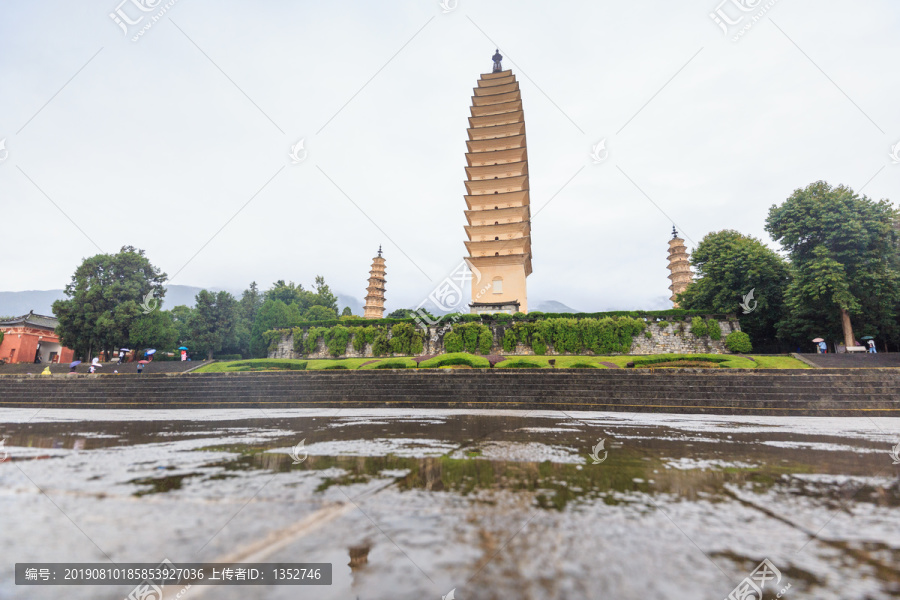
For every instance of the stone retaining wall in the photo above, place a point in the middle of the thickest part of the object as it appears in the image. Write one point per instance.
(665, 336)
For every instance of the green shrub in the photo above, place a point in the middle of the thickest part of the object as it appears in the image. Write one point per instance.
(224, 357)
(417, 344)
(390, 364)
(715, 331)
(456, 358)
(538, 345)
(509, 340)
(330, 367)
(699, 327)
(738, 341)
(402, 335)
(363, 336)
(648, 334)
(336, 339)
(485, 340)
(380, 345)
(583, 365)
(520, 364)
(312, 338)
(453, 342)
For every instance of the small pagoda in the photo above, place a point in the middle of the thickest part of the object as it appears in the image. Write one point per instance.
(497, 196)
(374, 307)
(679, 267)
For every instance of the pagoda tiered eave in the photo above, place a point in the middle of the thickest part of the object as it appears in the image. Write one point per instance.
(486, 217)
(496, 144)
(505, 200)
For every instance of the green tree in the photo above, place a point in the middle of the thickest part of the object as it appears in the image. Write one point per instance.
(107, 294)
(346, 312)
(324, 296)
(212, 323)
(843, 250)
(401, 313)
(319, 313)
(729, 265)
(154, 330)
(273, 314)
(181, 316)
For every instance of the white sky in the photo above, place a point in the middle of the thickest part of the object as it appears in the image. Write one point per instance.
(159, 143)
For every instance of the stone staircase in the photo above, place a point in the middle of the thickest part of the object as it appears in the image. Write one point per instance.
(821, 392)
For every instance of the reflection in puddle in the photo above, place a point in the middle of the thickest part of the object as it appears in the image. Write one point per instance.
(480, 499)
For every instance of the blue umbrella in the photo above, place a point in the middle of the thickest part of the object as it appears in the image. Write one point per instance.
(182, 347)
(74, 363)
(149, 352)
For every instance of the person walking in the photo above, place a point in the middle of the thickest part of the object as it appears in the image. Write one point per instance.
(140, 367)
(823, 348)
(872, 349)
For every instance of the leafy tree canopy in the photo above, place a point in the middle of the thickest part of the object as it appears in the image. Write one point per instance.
(729, 265)
(107, 294)
(843, 250)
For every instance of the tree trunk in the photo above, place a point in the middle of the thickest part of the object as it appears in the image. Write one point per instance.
(209, 355)
(848, 328)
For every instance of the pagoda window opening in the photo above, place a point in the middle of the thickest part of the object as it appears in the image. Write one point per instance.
(498, 285)
(496, 237)
(496, 254)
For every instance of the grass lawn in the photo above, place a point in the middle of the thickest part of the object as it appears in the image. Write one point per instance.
(724, 361)
(779, 362)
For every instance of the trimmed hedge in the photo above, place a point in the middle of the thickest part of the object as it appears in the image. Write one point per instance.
(519, 364)
(456, 358)
(738, 341)
(390, 364)
(674, 313)
(583, 365)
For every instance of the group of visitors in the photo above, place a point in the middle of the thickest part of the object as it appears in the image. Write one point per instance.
(822, 347)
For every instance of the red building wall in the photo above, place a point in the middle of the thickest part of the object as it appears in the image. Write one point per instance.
(20, 344)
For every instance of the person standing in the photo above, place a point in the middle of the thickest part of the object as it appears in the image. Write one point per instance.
(872, 349)
(823, 348)
(140, 367)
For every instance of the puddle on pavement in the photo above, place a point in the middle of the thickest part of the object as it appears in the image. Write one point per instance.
(499, 463)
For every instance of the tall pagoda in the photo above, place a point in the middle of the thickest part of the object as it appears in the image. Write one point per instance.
(679, 266)
(374, 307)
(499, 213)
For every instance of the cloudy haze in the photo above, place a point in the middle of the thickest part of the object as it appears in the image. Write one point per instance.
(179, 142)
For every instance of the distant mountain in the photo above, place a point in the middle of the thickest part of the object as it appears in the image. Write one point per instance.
(13, 304)
(552, 306)
(355, 304)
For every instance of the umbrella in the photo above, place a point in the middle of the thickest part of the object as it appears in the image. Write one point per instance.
(182, 347)
(125, 349)
(143, 362)
(96, 361)
(818, 340)
(867, 337)
(74, 363)
(149, 352)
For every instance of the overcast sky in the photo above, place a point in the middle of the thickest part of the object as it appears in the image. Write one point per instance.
(179, 142)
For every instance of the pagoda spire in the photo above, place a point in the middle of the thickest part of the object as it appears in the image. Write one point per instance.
(679, 267)
(497, 58)
(374, 307)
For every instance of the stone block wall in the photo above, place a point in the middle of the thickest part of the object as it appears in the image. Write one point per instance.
(676, 337)
(665, 336)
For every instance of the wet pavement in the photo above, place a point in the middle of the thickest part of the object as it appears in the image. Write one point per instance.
(491, 504)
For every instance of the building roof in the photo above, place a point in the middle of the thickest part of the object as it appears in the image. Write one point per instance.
(32, 320)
